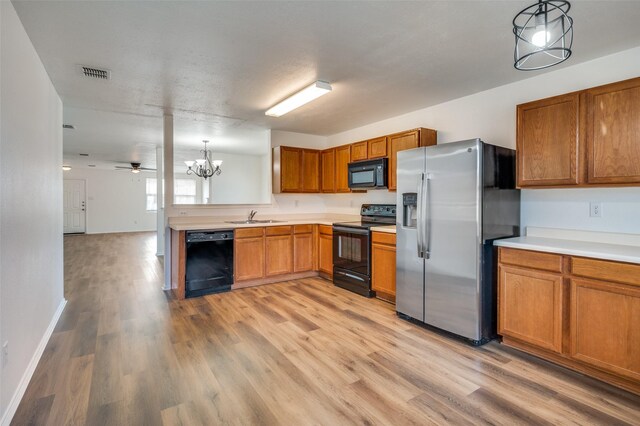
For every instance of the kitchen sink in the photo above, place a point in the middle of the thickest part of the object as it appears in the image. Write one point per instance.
(248, 222)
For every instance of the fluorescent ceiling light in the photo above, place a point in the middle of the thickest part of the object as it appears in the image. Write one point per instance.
(304, 96)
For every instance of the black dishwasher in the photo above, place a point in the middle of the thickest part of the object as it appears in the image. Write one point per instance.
(209, 267)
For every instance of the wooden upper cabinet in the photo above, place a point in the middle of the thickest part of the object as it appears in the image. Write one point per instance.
(377, 147)
(310, 170)
(290, 170)
(295, 170)
(359, 151)
(547, 142)
(406, 140)
(343, 157)
(613, 133)
(328, 175)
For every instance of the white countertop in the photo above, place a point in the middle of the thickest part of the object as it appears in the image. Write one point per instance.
(617, 252)
(389, 229)
(214, 223)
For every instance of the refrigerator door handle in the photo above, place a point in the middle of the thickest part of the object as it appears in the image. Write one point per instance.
(419, 224)
(426, 238)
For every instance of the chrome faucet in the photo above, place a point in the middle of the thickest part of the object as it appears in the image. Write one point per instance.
(251, 215)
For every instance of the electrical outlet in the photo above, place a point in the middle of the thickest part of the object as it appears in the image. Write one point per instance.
(183, 213)
(5, 353)
(595, 209)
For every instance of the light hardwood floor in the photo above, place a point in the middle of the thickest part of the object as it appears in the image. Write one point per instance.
(297, 352)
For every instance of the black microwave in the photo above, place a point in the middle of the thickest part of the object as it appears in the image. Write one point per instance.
(368, 174)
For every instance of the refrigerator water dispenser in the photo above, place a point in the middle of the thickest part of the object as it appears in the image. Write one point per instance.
(409, 209)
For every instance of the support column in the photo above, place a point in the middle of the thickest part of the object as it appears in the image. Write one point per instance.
(160, 201)
(168, 195)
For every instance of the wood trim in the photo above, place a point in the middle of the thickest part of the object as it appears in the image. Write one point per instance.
(274, 279)
(248, 232)
(178, 263)
(278, 230)
(387, 297)
(630, 385)
(626, 273)
(530, 259)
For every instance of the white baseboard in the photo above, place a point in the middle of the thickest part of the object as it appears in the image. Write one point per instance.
(31, 367)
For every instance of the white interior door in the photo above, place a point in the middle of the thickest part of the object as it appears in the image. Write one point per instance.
(74, 206)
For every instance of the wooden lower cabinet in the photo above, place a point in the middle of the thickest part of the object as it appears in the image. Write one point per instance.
(325, 250)
(605, 326)
(279, 255)
(585, 317)
(383, 265)
(303, 252)
(249, 258)
(530, 304)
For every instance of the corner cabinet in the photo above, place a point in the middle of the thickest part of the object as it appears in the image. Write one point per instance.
(582, 313)
(585, 138)
(295, 170)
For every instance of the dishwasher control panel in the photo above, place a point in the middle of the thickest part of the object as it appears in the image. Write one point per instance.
(198, 236)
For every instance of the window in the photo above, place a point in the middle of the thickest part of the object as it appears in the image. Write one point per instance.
(184, 191)
(152, 194)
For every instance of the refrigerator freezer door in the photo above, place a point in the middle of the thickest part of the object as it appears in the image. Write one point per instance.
(409, 267)
(452, 231)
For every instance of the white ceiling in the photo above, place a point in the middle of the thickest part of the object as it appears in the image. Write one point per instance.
(217, 66)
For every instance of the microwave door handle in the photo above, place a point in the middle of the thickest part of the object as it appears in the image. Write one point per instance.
(419, 225)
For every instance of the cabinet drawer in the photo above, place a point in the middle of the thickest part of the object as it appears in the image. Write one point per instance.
(325, 229)
(302, 229)
(531, 259)
(248, 232)
(627, 273)
(383, 238)
(279, 230)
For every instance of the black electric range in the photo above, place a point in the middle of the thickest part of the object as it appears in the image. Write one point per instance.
(352, 247)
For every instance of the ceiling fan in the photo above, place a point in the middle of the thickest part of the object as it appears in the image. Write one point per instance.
(135, 168)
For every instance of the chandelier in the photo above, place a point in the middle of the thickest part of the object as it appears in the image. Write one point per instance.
(544, 35)
(204, 167)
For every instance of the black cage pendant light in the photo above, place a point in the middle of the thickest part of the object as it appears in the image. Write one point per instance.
(544, 35)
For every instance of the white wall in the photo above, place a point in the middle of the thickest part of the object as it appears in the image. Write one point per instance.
(243, 179)
(301, 140)
(116, 200)
(31, 275)
(490, 115)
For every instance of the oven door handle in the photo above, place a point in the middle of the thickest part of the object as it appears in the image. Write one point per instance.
(350, 230)
(346, 274)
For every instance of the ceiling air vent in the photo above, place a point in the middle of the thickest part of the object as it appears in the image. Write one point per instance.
(68, 126)
(95, 73)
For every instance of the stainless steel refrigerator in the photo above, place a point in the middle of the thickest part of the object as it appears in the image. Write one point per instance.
(453, 200)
